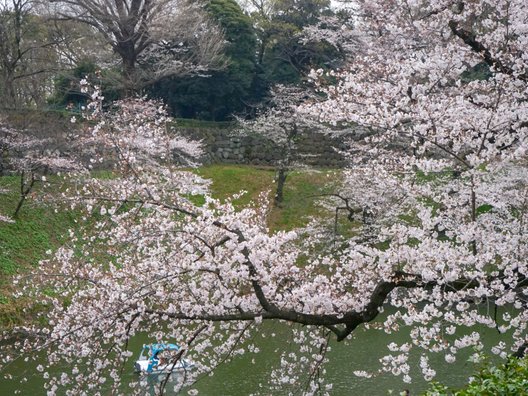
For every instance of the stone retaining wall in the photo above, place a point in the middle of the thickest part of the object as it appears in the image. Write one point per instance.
(222, 144)
(228, 146)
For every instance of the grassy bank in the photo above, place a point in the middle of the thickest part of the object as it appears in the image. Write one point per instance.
(302, 191)
(24, 243)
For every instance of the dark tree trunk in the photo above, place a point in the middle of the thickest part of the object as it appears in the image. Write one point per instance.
(10, 93)
(128, 60)
(25, 189)
(282, 174)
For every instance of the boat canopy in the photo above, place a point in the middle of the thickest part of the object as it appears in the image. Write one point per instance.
(160, 358)
(154, 349)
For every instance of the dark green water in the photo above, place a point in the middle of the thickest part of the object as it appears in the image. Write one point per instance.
(244, 374)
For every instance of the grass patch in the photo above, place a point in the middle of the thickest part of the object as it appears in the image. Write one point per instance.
(435, 177)
(37, 229)
(24, 243)
(229, 180)
(302, 192)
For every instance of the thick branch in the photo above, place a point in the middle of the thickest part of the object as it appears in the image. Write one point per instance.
(350, 320)
(470, 39)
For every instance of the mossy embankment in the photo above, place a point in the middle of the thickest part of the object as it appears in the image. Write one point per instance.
(38, 228)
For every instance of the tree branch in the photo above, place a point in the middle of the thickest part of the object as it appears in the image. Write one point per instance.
(470, 39)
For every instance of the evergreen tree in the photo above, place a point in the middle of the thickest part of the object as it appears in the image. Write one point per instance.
(220, 93)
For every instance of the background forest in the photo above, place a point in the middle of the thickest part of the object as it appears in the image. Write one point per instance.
(46, 49)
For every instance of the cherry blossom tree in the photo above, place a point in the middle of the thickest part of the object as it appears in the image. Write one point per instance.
(335, 30)
(444, 170)
(446, 163)
(282, 124)
(31, 159)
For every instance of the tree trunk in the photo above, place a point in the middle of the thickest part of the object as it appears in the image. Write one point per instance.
(24, 190)
(282, 174)
(9, 94)
(473, 215)
(262, 49)
(128, 60)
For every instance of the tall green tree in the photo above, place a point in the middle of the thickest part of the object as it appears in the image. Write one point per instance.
(220, 93)
(67, 84)
(283, 56)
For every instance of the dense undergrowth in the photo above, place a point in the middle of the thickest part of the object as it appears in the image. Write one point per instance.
(508, 379)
